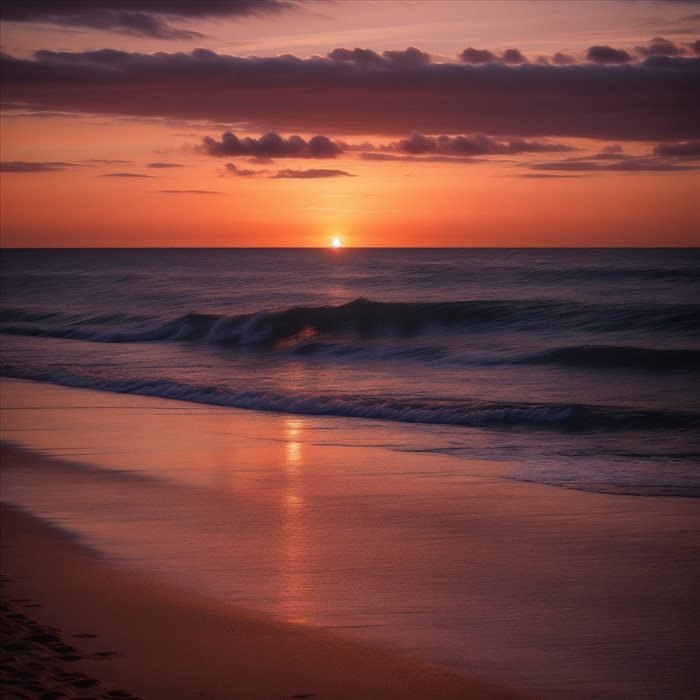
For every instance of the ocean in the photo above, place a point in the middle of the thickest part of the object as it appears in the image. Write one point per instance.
(484, 458)
(579, 365)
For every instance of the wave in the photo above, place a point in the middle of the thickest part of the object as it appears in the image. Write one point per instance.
(469, 412)
(362, 318)
(616, 357)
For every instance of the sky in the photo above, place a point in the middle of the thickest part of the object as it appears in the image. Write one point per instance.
(390, 123)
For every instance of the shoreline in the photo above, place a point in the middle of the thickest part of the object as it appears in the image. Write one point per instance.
(546, 590)
(163, 643)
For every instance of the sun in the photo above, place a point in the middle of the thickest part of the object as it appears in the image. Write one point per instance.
(337, 243)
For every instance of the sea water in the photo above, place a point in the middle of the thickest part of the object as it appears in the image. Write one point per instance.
(580, 365)
(354, 439)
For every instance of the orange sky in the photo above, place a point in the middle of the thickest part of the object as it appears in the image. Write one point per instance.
(78, 151)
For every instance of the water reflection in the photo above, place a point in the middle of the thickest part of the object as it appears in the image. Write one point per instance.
(295, 530)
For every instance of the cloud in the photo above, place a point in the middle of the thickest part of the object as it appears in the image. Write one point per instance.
(312, 174)
(21, 166)
(474, 145)
(607, 54)
(407, 57)
(696, 47)
(188, 192)
(135, 17)
(164, 165)
(513, 56)
(238, 172)
(107, 161)
(654, 100)
(631, 165)
(660, 47)
(477, 56)
(688, 149)
(417, 159)
(125, 175)
(544, 176)
(562, 59)
(271, 145)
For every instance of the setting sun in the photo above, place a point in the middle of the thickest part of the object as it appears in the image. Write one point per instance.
(337, 243)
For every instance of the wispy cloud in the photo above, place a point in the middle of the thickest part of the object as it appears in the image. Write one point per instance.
(21, 166)
(140, 175)
(163, 166)
(189, 192)
(136, 17)
(312, 174)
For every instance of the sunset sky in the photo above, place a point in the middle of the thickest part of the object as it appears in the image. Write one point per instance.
(386, 123)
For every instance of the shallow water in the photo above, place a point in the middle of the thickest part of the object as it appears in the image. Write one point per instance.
(353, 525)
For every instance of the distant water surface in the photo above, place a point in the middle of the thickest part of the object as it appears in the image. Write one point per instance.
(579, 366)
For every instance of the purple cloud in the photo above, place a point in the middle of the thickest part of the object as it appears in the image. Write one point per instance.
(271, 145)
(688, 149)
(654, 100)
(135, 17)
(660, 47)
(607, 54)
(163, 165)
(21, 166)
(125, 175)
(474, 145)
(242, 172)
(630, 165)
(513, 57)
(312, 174)
(562, 59)
(477, 56)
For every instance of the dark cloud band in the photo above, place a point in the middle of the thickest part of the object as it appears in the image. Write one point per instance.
(134, 17)
(656, 99)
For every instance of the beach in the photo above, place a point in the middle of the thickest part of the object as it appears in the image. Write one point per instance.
(157, 642)
(420, 573)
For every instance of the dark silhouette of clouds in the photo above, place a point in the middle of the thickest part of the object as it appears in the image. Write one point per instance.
(607, 54)
(477, 56)
(660, 47)
(688, 149)
(544, 176)
(242, 172)
(654, 100)
(21, 166)
(312, 174)
(135, 17)
(361, 56)
(631, 165)
(288, 174)
(562, 59)
(271, 145)
(126, 175)
(418, 159)
(407, 57)
(474, 145)
(163, 166)
(513, 57)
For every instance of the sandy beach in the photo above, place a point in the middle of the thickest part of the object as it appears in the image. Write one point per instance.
(77, 626)
(210, 549)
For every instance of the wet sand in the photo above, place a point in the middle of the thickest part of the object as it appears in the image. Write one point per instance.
(80, 627)
(313, 521)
